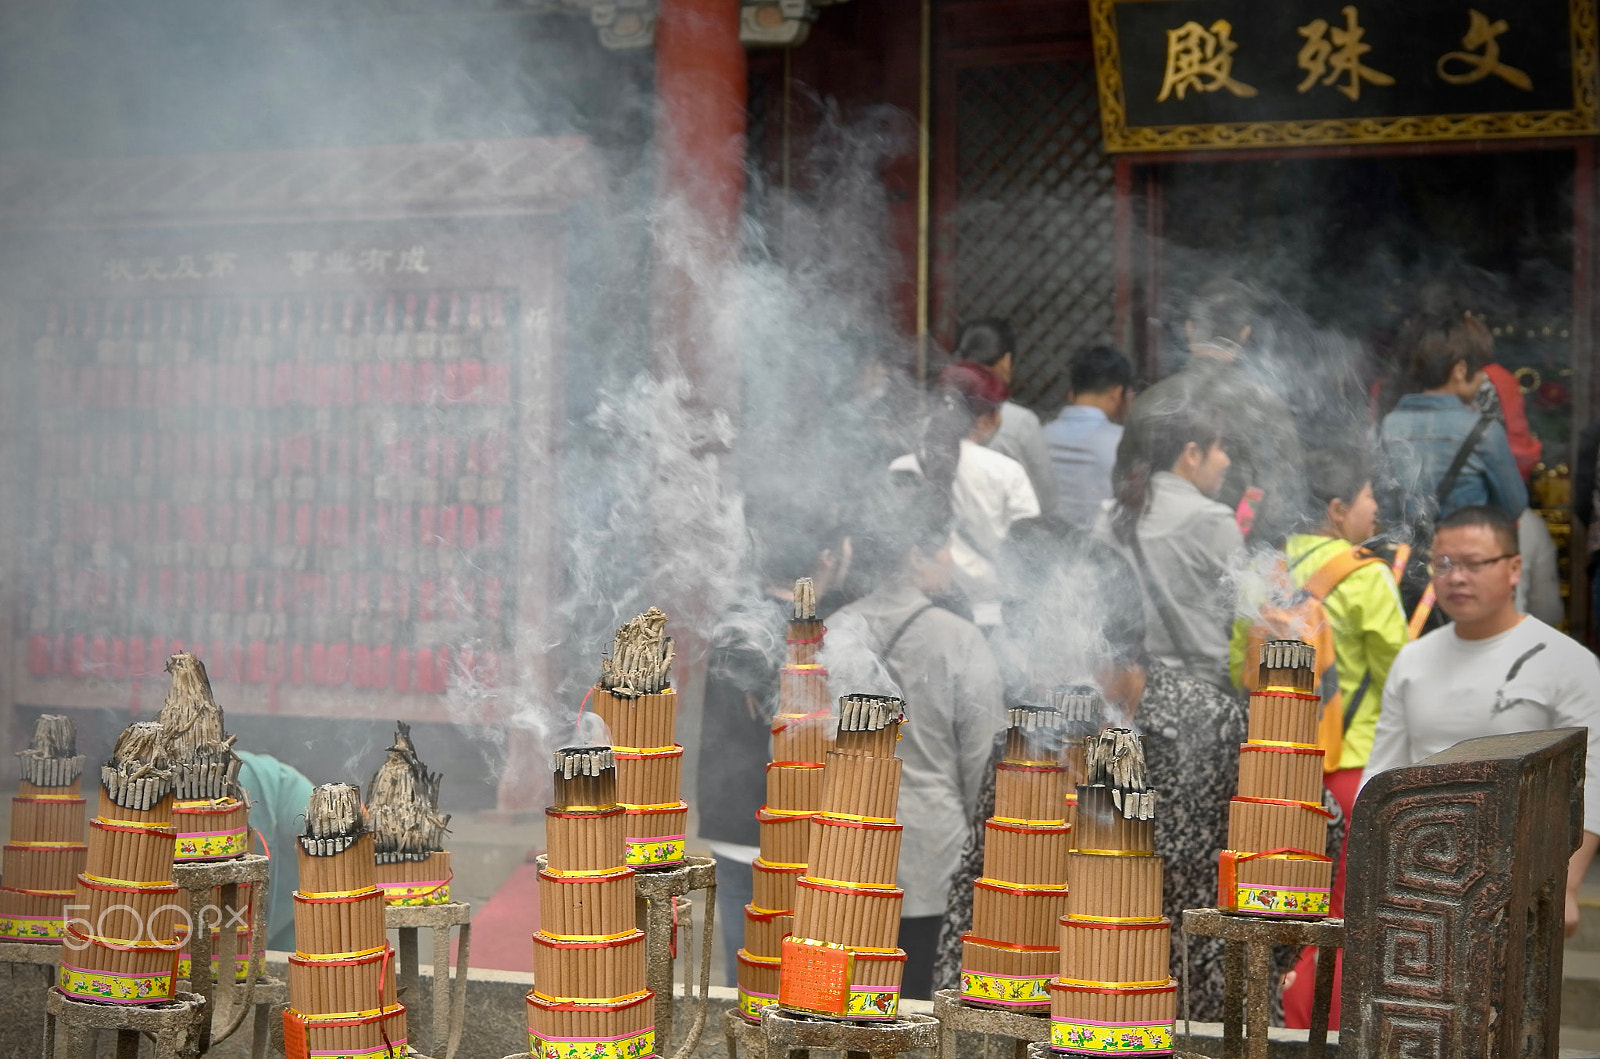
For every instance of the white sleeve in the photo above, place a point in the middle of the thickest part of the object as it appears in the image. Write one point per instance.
(1391, 743)
(1577, 705)
(1021, 501)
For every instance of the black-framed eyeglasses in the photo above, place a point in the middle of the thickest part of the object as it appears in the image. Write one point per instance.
(1443, 565)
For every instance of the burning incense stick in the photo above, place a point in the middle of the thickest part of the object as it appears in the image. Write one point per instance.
(139, 773)
(589, 996)
(1114, 991)
(211, 814)
(1276, 862)
(126, 950)
(1116, 760)
(205, 766)
(795, 782)
(46, 851)
(805, 600)
(635, 699)
(1010, 955)
(847, 909)
(334, 819)
(52, 758)
(413, 867)
(342, 996)
(640, 659)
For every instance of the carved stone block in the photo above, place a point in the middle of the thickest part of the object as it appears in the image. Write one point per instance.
(1454, 900)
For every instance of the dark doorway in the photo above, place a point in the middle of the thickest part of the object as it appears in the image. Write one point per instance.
(1346, 238)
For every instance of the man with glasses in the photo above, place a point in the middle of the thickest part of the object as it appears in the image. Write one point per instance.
(1491, 671)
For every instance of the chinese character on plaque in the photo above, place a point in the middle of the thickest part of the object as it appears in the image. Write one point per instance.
(1481, 33)
(1201, 60)
(1331, 53)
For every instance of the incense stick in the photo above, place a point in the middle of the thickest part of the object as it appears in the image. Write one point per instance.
(1114, 990)
(1276, 862)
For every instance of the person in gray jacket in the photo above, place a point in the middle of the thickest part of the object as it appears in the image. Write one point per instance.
(1225, 378)
(1178, 539)
(941, 665)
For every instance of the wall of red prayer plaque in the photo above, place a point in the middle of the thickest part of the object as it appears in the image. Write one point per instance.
(304, 490)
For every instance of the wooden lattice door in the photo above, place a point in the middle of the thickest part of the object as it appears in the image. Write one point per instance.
(1026, 214)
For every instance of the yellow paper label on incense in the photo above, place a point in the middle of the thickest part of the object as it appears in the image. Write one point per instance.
(125, 988)
(220, 844)
(873, 1003)
(413, 895)
(1112, 1038)
(634, 1046)
(1282, 901)
(1005, 988)
(654, 851)
(33, 928)
(241, 966)
(398, 1049)
(750, 1004)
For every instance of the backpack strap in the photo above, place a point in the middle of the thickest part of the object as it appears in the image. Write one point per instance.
(1447, 484)
(1327, 577)
(1353, 707)
(888, 648)
(1320, 585)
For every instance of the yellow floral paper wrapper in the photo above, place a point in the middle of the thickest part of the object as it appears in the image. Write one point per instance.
(1115, 1038)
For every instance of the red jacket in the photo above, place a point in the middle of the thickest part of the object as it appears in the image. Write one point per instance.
(1525, 448)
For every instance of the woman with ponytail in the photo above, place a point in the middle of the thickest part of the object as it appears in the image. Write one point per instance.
(988, 491)
(1179, 540)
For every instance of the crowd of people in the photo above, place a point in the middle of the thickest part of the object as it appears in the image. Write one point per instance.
(1146, 543)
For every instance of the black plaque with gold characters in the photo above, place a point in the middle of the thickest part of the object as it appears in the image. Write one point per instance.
(1203, 74)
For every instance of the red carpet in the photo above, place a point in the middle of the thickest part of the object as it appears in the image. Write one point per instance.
(503, 927)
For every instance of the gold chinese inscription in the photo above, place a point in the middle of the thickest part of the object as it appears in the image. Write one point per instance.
(1331, 53)
(1481, 33)
(1201, 60)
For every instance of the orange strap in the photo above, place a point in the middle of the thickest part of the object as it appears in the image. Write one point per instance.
(1335, 570)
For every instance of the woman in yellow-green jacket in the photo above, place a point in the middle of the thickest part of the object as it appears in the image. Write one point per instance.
(1369, 628)
(1364, 611)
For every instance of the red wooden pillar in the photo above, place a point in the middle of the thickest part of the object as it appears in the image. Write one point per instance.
(700, 147)
(701, 95)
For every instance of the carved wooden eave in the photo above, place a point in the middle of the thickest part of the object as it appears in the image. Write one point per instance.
(777, 23)
(388, 182)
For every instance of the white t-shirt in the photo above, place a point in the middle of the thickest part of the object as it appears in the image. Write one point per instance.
(1443, 689)
(990, 492)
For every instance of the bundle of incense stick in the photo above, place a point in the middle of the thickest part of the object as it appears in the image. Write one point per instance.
(589, 997)
(210, 812)
(800, 743)
(843, 958)
(1276, 862)
(41, 862)
(1083, 711)
(124, 944)
(413, 867)
(635, 699)
(342, 998)
(1114, 991)
(1011, 953)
